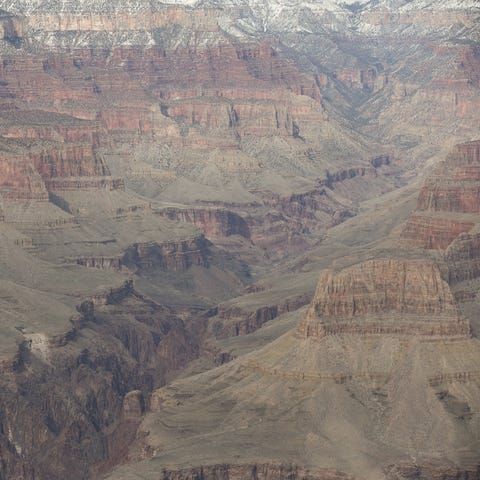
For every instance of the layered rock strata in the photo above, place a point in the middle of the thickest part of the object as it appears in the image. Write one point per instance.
(232, 320)
(87, 387)
(384, 297)
(215, 222)
(172, 256)
(359, 388)
(449, 202)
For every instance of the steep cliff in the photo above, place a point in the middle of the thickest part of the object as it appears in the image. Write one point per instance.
(263, 123)
(448, 204)
(66, 405)
(379, 377)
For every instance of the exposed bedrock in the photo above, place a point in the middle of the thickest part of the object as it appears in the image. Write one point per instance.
(54, 128)
(262, 117)
(215, 222)
(463, 258)
(71, 407)
(253, 472)
(30, 175)
(290, 472)
(170, 256)
(384, 297)
(454, 186)
(19, 179)
(232, 321)
(449, 202)
(435, 232)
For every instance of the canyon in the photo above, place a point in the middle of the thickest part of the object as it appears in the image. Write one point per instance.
(239, 240)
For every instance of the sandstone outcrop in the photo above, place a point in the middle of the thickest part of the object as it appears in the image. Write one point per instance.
(449, 202)
(286, 105)
(384, 297)
(463, 258)
(232, 320)
(254, 472)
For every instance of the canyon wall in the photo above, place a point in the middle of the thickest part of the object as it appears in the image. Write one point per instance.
(449, 202)
(384, 297)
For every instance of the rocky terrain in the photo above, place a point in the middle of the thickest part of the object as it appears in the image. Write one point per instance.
(225, 224)
(377, 379)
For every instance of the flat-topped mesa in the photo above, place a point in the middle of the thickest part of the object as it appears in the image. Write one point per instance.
(406, 297)
(449, 200)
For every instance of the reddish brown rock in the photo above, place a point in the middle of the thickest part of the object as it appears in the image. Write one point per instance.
(215, 222)
(102, 263)
(384, 297)
(232, 321)
(451, 191)
(254, 472)
(434, 232)
(68, 161)
(19, 179)
(463, 258)
(170, 256)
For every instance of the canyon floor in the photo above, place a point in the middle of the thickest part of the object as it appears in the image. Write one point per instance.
(239, 240)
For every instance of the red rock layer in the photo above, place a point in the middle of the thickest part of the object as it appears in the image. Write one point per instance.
(232, 321)
(463, 258)
(215, 222)
(19, 179)
(453, 188)
(30, 173)
(254, 472)
(202, 103)
(433, 232)
(169, 256)
(384, 297)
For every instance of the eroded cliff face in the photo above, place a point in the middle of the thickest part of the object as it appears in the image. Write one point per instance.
(67, 403)
(384, 297)
(448, 204)
(362, 368)
(260, 471)
(225, 110)
(217, 223)
(263, 130)
(283, 472)
(174, 256)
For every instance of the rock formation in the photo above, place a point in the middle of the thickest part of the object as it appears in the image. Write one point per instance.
(384, 297)
(46, 418)
(357, 382)
(154, 157)
(449, 202)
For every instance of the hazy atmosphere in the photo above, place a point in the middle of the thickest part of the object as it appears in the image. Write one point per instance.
(240, 240)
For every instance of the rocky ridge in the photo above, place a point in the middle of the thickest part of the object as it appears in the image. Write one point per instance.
(379, 336)
(448, 204)
(263, 128)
